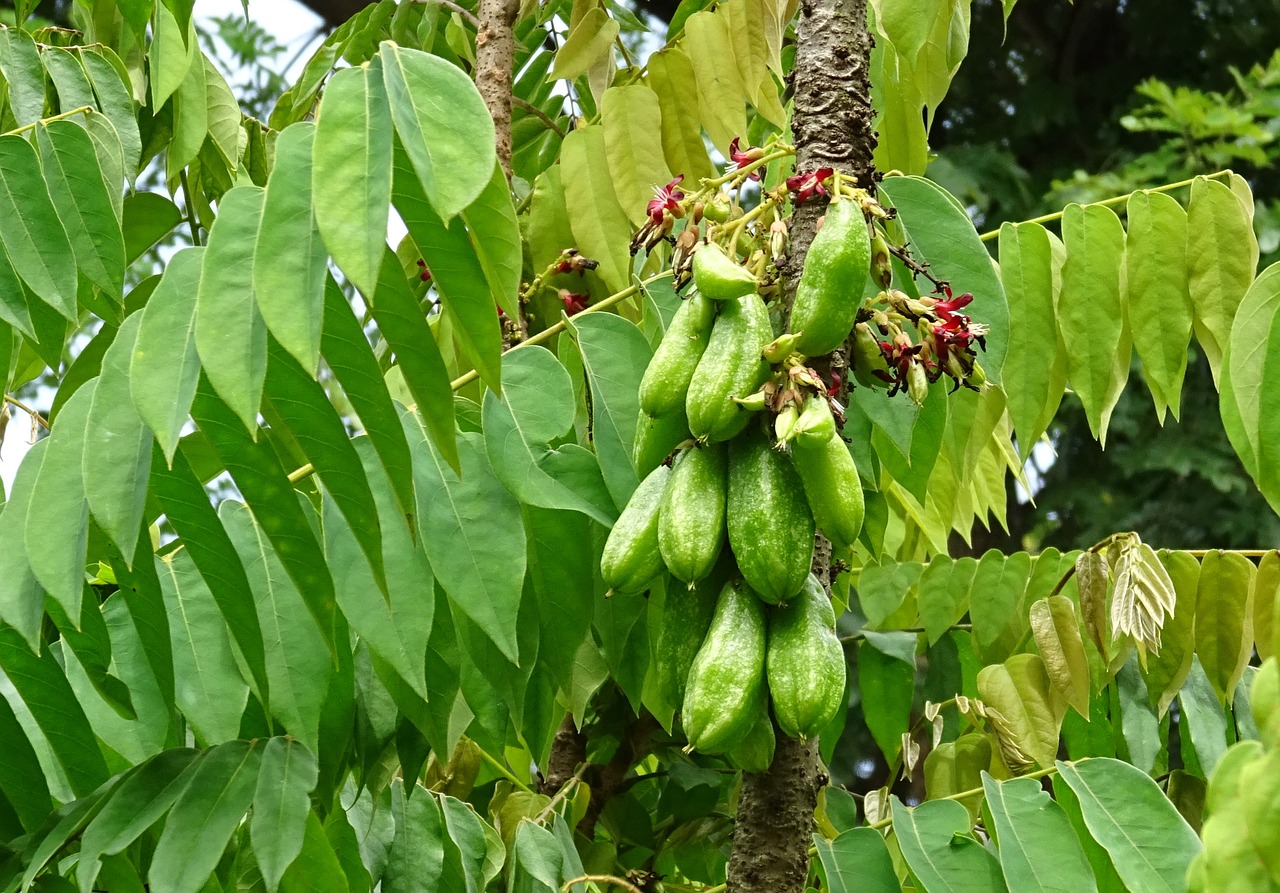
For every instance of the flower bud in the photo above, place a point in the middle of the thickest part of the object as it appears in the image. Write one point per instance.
(781, 347)
(785, 424)
(881, 267)
(917, 384)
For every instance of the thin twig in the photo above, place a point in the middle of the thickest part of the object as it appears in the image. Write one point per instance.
(503, 771)
(81, 110)
(449, 4)
(191, 208)
(562, 793)
(40, 420)
(603, 879)
(538, 113)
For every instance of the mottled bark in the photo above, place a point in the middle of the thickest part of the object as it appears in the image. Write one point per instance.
(495, 58)
(832, 128)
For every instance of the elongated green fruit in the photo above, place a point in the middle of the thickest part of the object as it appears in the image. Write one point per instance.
(832, 487)
(770, 524)
(686, 617)
(830, 289)
(805, 663)
(666, 379)
(726, 692)
(816, 424)
(631, 558)
(718, 277)
(691, 519)
(656, 437)
(755, 752)
(731, 366)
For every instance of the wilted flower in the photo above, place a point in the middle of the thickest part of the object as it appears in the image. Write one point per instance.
(806, 186)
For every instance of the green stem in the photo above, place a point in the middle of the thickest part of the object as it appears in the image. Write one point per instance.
(191, 209)
(962, 795)
(1114, 200)
(503, 770)
(82, 110)
(40, 420)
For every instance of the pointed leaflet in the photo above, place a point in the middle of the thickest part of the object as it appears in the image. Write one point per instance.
(1029, 710)
(70, 82)
(231, 337)
(318, 868)
(857, 861)
(346, 350)
(1205, 720)
(44, 690)
(201, 822)
(467, 833)
(1159, 300)
(186, 505)
(614, 354)
(1150, 844)
(1251, 373)
(590, 41)
(598, 221)
(1034, 360)
(190, 117)
(1038, 849)
(351, 179)
(224, 116)
(537, 408)
(886, 674)
(1220, 255)
(118, 463)
(297, 659)
(281, 805)
(301, 405)
(30, 230)
(474, 537)
(81, 197)
(21, 776)
(13, 303)
(942, 235)
(709, 44)
(442, 123)
(1057, 634)
(290, 258)
(1091, 311)
(21, 597)
(473, 279)
(403, 324)
(940, 851)
(1266, 588)
(1166, 671)
(257, 472)
(173, 49)
(633, 146)
(110, 84)
(896, 97)
(669, 74)
(1224, 618)
(422, 857)
(57, 519)
(20, 65)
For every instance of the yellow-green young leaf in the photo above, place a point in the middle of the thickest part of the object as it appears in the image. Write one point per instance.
(669, 75)
(1033, 359)
(1167, 669)
(906, 22)
(749, 24)
(1024, 710)
(1159, 300)
(30, 230)
(442, 124)
(589, 42)
(709, 45)
(634, 147)
(944, 49)
(1265, 586)
(1224, 618)
(20, 65)
(1057, 633)
(1091, 311)
(1249, 378)
(549, 232)
(1221, 256)
(351, 177)
(957, 766)
(1240, 188)
(231, 337)
(598, 221)
(896, 97)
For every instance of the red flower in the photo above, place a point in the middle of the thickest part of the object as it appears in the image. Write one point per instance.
(948, 310)
(573, 302)
(741, 158)
(666, 199)
(425, 274)
(806, 186)
(834, 389)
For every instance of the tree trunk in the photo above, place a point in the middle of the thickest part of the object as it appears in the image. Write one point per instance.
(832, 128)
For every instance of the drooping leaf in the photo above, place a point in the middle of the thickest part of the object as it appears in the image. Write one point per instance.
(115, 99)
(1205, 719)
(21, 776)
(147, 218)
(1028, 711)
(598, 220)
(1248, 377)
(1038, 849)
(281, 806)
(1167, 670)
(708, 42)
(634, 147)
(30, 230)
(886, 678)
(1220, 254)
(20, 65)
(21, 598)
(1057, 634)
(1224, 633)
(586, 44)
(669, 73)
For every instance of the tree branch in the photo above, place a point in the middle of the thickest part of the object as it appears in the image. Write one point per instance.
(495, 58)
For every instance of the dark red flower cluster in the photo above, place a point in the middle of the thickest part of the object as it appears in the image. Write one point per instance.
(742, 157)
(806, 186)
(573, 302)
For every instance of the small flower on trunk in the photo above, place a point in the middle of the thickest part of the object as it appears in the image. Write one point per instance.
(743, 157)
(666, 199)
(806, 186)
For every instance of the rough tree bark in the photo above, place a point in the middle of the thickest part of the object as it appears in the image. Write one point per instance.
(832, 128)
(495, 58)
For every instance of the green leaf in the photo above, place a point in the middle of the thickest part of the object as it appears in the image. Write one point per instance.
(57, 519)
(186, 505)
(1167, 670)
(1160, 313)
(443, 126)
(190, 106)
(110, 84)
(21, 776)
(282, 807)
(887, 683)
(1038, 848)
(996, 603)
(165, 366)
(118, 465)
(70, 81)
(20, 65)
(466, 832)
(1091, 311)
(474, 537)
(173, 50)
(598, 221)
(1221, 260)
(404, 326)
(939, 850)
(43, 688)
(317, 868)
(348, 354)
(634, 147)
(942, 234)
(258, 474)
(30, 231)
(562, 568)
(1057, 634)
(13, 302)
(669, 74)
(223, 113)
(1030, 710)
(1249, 377)
(586, 44)
(290, 258)
(148, 218)
(1224, 634)
(1035, 360)
(1266, 589)
(353, 146)
(204, 817)
(1139, 725)
(614, 354)
(708, 41)
(298, 660)
(21, 598)
(536, 408)
(943, 595)
(231, 337)
(1150, 844)
(1206, 721)
(421, 859)
(473, 279)
(857, 862)
(537, 863)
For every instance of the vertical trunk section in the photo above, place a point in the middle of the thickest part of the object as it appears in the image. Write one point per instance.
(495, 58)
(832, 128)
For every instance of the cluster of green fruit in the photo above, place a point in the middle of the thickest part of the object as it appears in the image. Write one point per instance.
(759, 462)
